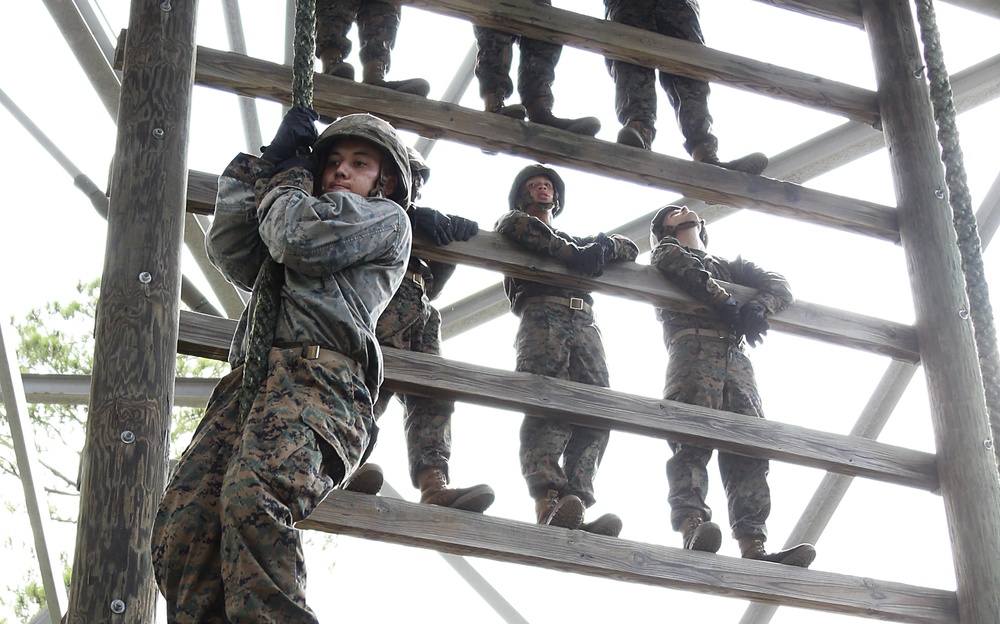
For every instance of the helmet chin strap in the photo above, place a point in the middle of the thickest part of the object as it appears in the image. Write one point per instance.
(684, 225)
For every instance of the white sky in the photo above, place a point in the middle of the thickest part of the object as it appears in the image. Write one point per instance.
(883, 532)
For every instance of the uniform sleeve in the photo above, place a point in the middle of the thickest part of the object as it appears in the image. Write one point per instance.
(232, 241)
(625, 249)
(530, 233)
(773, 290)
(320, 236)
(687, 271)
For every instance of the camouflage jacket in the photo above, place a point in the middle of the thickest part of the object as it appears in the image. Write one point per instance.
(530, 233)
(698, 274)
(344, 257)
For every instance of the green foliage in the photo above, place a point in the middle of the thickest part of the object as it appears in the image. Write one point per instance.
(59, 339)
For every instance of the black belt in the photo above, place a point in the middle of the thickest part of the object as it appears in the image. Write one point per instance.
(573, 303)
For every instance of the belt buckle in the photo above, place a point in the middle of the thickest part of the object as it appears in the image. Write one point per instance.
(417, 278)
(310, 352)
(575, 303)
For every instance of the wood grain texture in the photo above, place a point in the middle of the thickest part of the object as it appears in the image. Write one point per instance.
(333, 97)
(426, 375)
(462, 533)
(123, 470)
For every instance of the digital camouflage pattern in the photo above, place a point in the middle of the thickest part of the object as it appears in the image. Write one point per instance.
(410, 322)
(635, 86)
(556, 341)
(378, 23)
(536, 69)
(223, 545)
(344, 257)
(532, 234)
(714, 372)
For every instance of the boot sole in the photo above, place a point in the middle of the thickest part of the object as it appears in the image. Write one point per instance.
(368, 481)
(568, 513)
(707, 538)
(608, 524)
(478, 500)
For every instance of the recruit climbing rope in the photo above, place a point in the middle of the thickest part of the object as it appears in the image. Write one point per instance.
(969, 245)
(270, 279)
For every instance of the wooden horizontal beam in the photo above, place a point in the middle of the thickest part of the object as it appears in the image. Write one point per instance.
(463, 533)
(846, 12)
(334, 97)
(426, 375)
(669, 54)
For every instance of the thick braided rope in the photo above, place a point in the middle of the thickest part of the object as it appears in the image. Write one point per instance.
(271, 277)
(969, 244)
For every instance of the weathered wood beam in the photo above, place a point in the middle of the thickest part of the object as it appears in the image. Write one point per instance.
(425, 375)
(669, 54)
(841, 11)
(334, 96)
(989, 8)
(124, 464)
(964, 443)
(457, 532)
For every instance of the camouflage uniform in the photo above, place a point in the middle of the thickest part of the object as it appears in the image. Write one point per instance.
(714, 371)
(378, 23)
(410, 322)
(635, 88)
(557, 341)
(535, 72)
(223, 545)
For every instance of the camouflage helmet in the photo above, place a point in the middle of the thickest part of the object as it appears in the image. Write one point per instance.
(657, 231)
(513, 199)
(370, 128)
(420, 172)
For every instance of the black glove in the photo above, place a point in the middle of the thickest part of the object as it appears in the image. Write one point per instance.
(753, 322)
(730, 313)
(297, 130)
(607, 243)
(463, 229)
(589, 260)
(303, 162)
(433, 224)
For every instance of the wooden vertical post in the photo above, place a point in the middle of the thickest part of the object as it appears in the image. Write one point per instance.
(966, 462)
(124, 462)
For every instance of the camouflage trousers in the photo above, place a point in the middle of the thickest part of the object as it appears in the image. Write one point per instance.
(410, 322)
(558, 342)
(223, 546)
(635, 86)
(536, 69)
(716, 373)
(378, 23)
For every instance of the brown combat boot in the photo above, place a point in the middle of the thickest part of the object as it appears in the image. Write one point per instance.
(493, 103)
(432, 482)
(540, 112)
(566, 511)
(754, 163)
(373, 73)
(609, 524)
(637, 134)
(800, 556)
(700, 534)
(367, 479)
(336, 66)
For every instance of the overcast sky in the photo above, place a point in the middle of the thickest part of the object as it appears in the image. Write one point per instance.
(54, 239)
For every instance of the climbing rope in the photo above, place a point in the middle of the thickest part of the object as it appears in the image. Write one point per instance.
(271, 278)
(969, 244)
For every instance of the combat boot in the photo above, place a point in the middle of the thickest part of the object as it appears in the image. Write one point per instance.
(541, 113)
(335, 66)
(561, 511)
(432, 482)
(700, 534)
(637, 134)
(373, 73)
(800, 556)
(754, 163)
(609, 524)
(367, 479)
(494, 104)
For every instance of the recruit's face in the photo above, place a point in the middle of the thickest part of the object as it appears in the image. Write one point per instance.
(354, 166)
(675, 218)
(540, 190)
